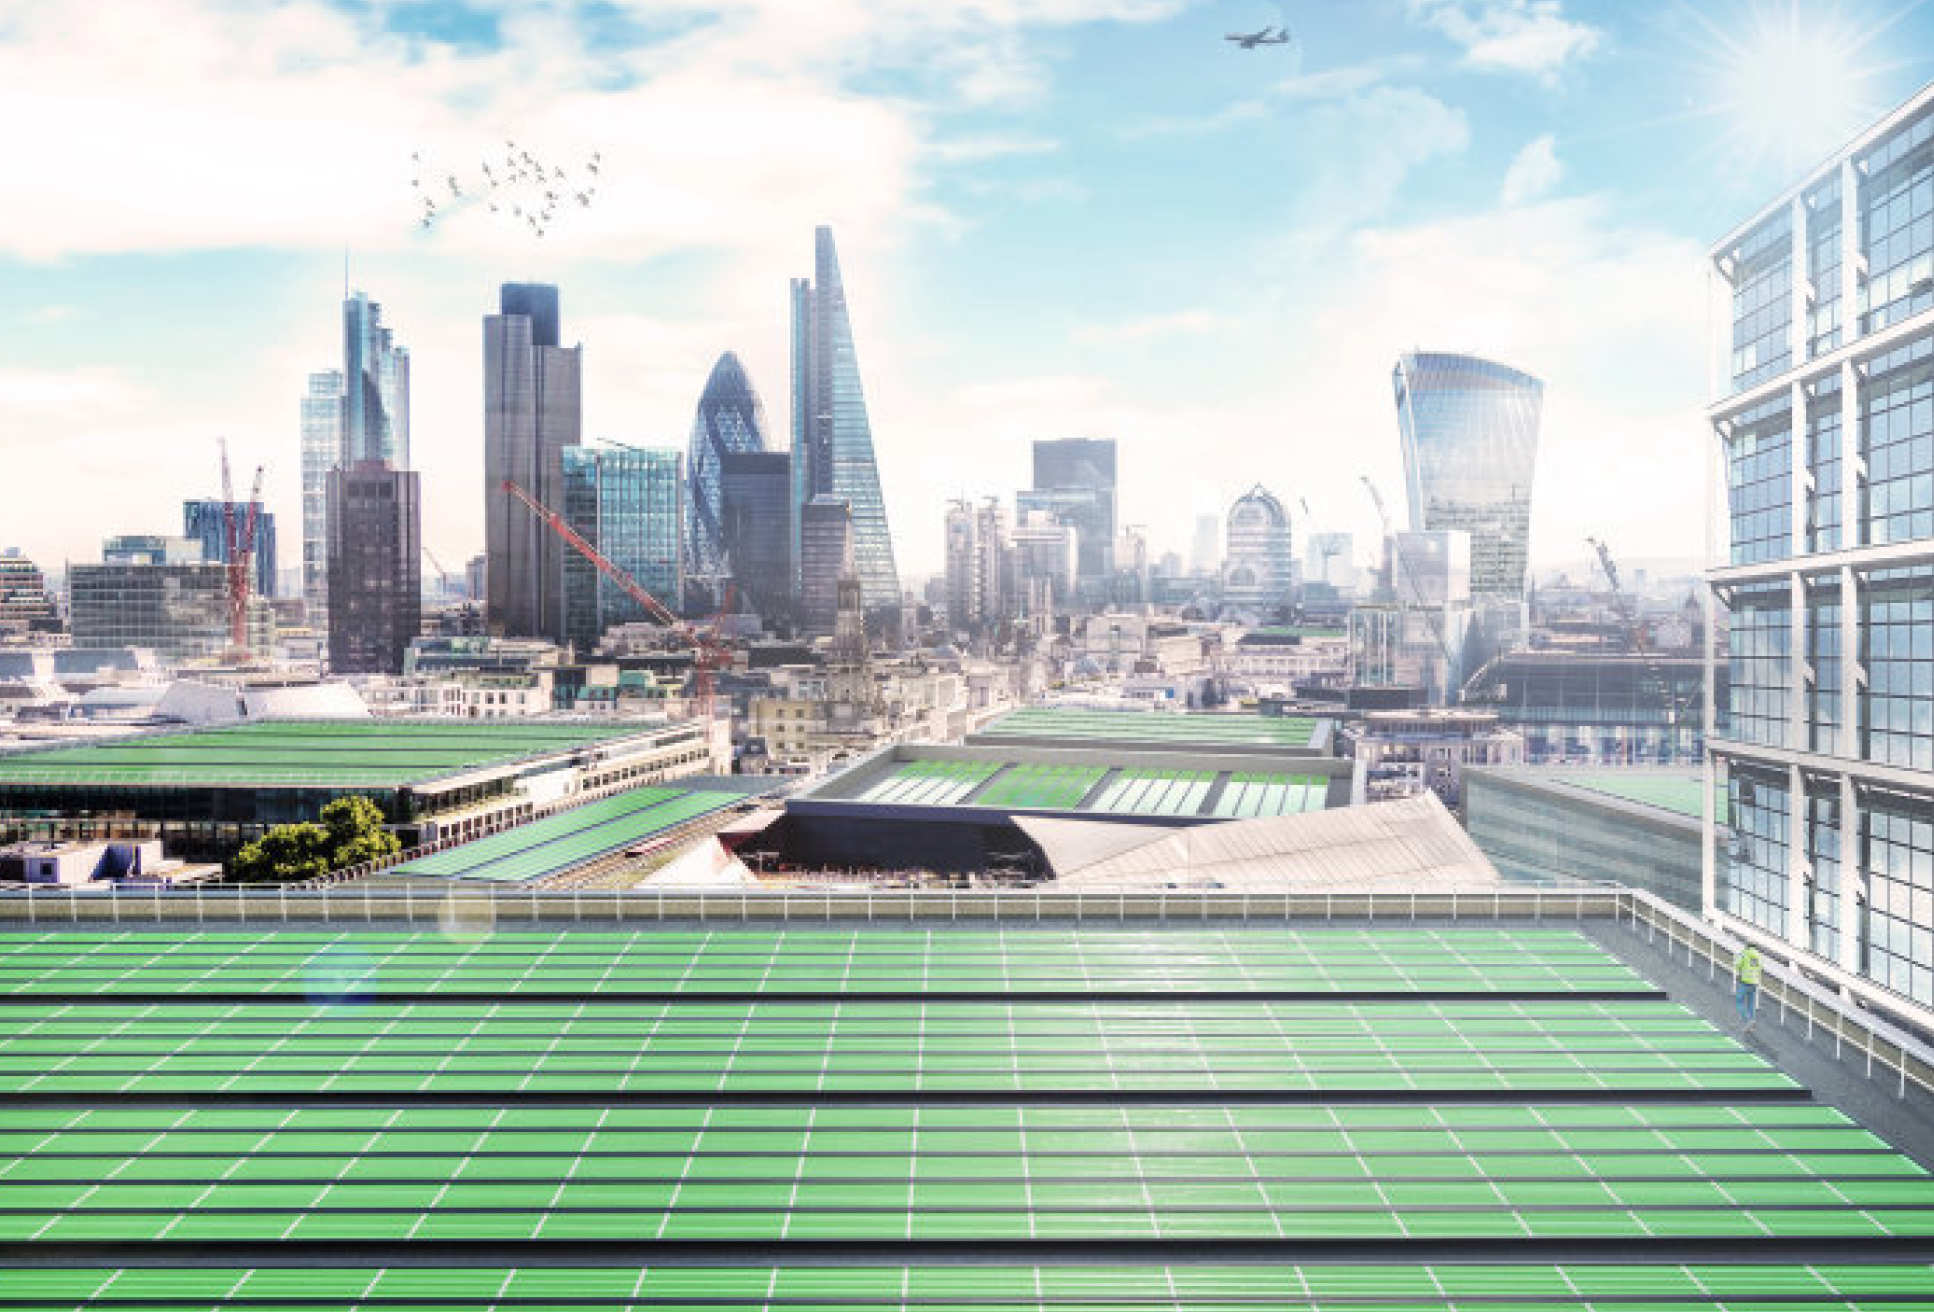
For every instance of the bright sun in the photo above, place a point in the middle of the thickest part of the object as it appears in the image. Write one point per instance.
(1797, 80)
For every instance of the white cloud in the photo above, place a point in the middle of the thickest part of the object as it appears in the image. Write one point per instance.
(974, 149)
(1144, 327)
(1515, 36)
(1535, 172)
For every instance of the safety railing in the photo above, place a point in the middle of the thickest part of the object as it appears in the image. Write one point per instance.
(1818, 1013)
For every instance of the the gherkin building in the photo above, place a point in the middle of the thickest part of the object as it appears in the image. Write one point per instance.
(729, 419)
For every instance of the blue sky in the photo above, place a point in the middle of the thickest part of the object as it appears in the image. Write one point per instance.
(1056, 218)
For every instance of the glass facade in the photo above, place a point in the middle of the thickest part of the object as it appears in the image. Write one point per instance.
(375, 567)
(832, 431)
(376, 395)
(1827, 730)
(1074, 480)
(730, 419)
(1469, 429)
(207, 523)
(322, 407)
(178, 610)
(629, 503)
(756, 505)
(1259, 562)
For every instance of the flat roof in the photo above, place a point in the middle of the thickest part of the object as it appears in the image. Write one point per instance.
(571, 838)
(1556, 1131)
(1073, 724)
(1676, 791)
(309, 753)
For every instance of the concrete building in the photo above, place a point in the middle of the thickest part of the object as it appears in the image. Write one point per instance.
(1469, 429)
(1047, 553)
(322, 420)
(206, 520)
(375, 567)
(832, 438)
(980, 565)
(1406, 753)
(1823, 425)
(532, 412)
(24, 603)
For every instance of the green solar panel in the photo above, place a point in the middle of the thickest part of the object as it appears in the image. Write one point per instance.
(1040, 787)
(570, 838)
(343, 753)
(1154, 727)
(882, 959)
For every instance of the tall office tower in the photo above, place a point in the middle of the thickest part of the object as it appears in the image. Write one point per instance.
(832, 441)
(1331, 561)
(1205, 554)
(206, 521)
(980, 564)
(1074, 480)
(755, 496)
(375, 571)
(729, 419)
(1824, 426)
(828, 553)
(532, 411)
(963, 566)
(376, 395)
(630, 502)
(1258, 561)
(322, 408)
(1046, 556)
(1469, 429)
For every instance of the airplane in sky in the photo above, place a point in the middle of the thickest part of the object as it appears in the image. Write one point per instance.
(1250, 40)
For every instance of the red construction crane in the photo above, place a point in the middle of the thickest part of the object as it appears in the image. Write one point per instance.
(239, 556)
(711, 654)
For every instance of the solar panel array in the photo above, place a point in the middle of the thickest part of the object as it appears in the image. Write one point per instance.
(1223, 794)
(971, 1118)
(1181, 730)
(1245, 796)
(341, 753)
(930, 783)
(570, 838)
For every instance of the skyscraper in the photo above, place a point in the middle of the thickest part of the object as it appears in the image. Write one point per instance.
(1074, 480)
(1257, 565)
(629, 501)
(1469, 429)
(376, 397)
(1822, 749)
(322, 407)
(832, 440)
(206, 520)
(532, 409)
(756, 497)
(730, 419)
(826, 543)
(980, 564)
(375, 571)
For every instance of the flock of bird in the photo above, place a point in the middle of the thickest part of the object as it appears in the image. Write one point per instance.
(522, 187)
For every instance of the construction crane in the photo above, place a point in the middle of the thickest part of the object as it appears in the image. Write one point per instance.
(711, 653)
(1635, 632)
(442, 575)
(239, 554)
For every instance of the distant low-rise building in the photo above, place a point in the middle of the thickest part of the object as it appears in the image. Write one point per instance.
(158, 592)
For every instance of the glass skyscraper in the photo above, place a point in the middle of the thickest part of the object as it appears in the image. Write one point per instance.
(629, 502)
(375, 566)
(532, 412)
(1074, 480)
(1470, 445)
(206, 521)
(730, 419)
(376, 397)
(1823, 744)
(322, 407)
(832, 441)
(756, 500)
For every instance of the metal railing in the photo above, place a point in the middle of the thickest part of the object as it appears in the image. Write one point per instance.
(1857, 1033)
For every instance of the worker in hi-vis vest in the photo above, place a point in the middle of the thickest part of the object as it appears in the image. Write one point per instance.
(1746, 968)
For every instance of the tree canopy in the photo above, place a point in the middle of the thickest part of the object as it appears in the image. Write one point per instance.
(350, 832)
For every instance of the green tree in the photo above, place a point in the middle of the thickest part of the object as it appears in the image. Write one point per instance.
(351, 833)
(286, 852)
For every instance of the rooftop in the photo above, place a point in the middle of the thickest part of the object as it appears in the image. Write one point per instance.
(1676, 791)
(1154, 728)
(1175, 1117)
(319, 753)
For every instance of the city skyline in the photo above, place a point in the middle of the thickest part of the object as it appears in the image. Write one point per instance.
(1475, 186)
